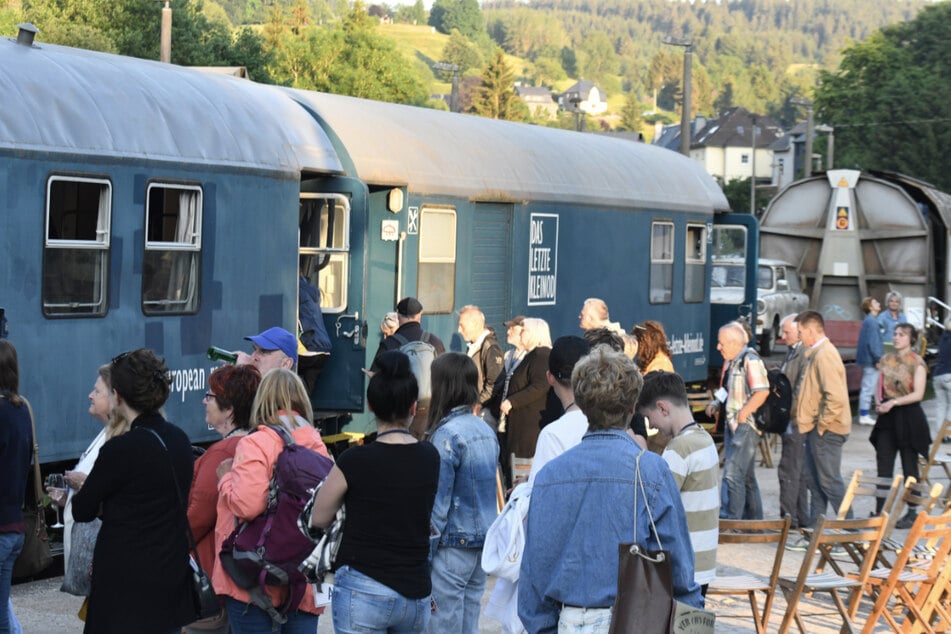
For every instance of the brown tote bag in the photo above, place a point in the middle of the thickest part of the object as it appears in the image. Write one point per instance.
(35, 556)
(645, 588)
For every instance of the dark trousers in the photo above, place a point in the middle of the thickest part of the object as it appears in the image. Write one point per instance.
(824, 460)
(886, 448)
(793, 478)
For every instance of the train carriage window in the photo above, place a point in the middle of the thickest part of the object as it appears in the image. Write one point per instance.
(662, 262)
(695, 263)
(170, 275)
(436, 282)
(76, 248)
(325, 247)
(728, 275)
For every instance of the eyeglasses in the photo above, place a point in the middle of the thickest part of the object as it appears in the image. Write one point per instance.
(210, 395)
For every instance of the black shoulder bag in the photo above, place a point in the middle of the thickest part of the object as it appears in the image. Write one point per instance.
(206, 601)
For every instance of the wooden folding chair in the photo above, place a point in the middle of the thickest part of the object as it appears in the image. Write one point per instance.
(864, 534)
(920, 565)
(863, 485)
(753, 532)
(938, 457)
(520, 467)
(499, 489)
(915, 493)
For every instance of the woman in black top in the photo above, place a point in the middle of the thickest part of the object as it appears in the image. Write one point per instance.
(140, 573)
(15, 452)
(382, 581)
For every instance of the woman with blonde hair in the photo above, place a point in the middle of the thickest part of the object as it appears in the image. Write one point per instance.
(243, 485)
(101, 407)
(524, 401)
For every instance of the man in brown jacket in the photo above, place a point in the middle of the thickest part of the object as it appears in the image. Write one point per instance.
(822, 412)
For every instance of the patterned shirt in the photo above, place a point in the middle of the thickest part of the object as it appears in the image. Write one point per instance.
(898, 373)
(746, 374)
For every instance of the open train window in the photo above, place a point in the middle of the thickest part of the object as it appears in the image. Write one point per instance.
(170, 275)
(436, 278)
(76, 248)
(325, 247)
(662, 262)
(695, 263)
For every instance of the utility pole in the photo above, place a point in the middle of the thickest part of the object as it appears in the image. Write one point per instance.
(810, 131)
(165, 47)
(454, 95)
(753, 170)
(687, 45)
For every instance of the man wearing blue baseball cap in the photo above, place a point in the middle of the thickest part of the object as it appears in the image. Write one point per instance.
(273, 348)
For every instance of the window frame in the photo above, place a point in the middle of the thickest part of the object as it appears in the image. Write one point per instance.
(192, 246)
(699, 260)
(421, 260)
(102, 244)
(661, 261)
(343, 251)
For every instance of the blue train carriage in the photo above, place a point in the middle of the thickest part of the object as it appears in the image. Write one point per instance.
(519, 219)
(144, 205)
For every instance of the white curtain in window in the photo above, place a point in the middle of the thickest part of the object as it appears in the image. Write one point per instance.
(184, 270)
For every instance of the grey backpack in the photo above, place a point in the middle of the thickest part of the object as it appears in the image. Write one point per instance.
(421, 355)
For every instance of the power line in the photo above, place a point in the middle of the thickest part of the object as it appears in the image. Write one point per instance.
(878, 123)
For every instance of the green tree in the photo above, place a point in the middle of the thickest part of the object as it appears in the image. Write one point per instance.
(596, 57)
(631, 118)
(461, 52)
(349, 58)
(464, 15)
(496, 96)
(890, 99)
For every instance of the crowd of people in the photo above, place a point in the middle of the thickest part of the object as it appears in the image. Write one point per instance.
(597, 414)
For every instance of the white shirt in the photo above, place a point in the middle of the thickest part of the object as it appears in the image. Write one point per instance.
(556, 438)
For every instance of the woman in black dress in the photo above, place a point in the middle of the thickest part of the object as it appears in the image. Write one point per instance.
(141, 581)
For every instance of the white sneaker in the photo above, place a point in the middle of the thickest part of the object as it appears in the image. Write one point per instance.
(866, 420)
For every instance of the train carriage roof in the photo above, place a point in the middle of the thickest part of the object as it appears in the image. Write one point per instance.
(434, 152)
(82, 102)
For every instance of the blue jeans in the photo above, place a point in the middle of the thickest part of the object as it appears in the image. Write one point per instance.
(824, 460)
(249, 619)
(10, 546)
(458, 584)
(869, 383)
(584, 620)
(739, 473)
(362, 605)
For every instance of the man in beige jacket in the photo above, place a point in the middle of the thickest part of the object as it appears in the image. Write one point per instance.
(823, 414)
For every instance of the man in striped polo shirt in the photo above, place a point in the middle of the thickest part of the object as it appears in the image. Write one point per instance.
(693, 460)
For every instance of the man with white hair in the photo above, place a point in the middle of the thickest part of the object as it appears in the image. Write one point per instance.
(594, 314)
(744, 386)
(483, 349)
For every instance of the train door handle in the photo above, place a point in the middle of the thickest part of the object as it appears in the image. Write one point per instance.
(354, 333)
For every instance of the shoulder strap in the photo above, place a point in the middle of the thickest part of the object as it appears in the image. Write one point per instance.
(425, 337)
(37, 477)
(639, 485)
(188, 528)
(403, 340)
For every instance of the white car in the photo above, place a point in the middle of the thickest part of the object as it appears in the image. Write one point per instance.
(778, 294)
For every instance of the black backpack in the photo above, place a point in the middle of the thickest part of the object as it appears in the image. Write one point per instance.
(773, 417)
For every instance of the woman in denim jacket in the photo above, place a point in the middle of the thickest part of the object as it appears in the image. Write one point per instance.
(465, 503)
(583, 506)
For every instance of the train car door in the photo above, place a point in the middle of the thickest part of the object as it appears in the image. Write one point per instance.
(332, 235)
(491, 272)
(734, 256)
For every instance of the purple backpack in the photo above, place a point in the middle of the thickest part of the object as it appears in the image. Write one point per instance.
(269, 549)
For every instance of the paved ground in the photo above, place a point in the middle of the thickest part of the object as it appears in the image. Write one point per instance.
(44, 610)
